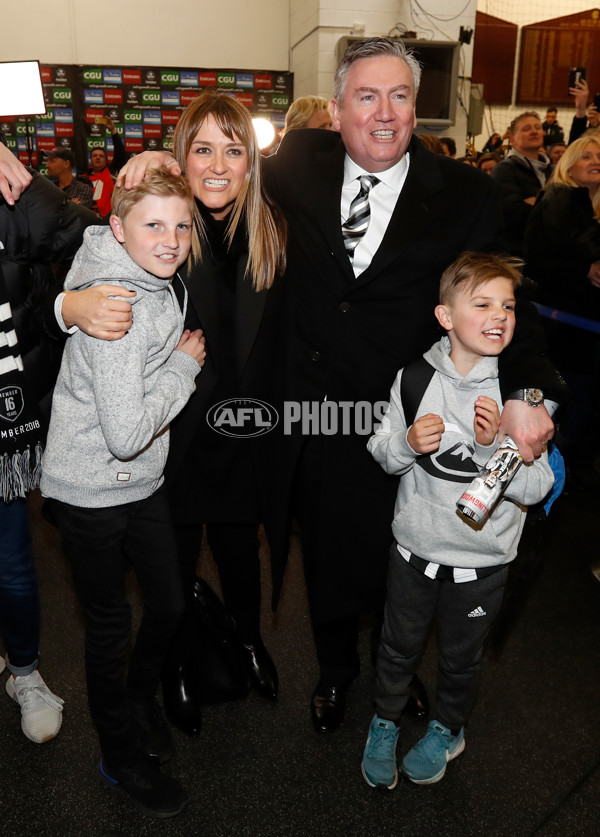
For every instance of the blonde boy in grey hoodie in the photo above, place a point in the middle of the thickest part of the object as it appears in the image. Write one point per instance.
(103, 470)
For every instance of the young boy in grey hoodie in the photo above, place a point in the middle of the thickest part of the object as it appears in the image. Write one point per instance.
(103, 468)
(443, 567)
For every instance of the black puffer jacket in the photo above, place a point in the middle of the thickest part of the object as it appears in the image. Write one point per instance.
(42, 228)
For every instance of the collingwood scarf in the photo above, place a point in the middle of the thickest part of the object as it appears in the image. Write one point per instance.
(21, 430)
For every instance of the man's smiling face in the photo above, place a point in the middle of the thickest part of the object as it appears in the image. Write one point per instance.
(376, 116)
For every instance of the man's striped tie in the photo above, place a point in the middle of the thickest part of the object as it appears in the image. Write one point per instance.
(359, 216)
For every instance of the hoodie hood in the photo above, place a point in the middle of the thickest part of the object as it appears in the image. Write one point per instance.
(484, 372)
(102, 259)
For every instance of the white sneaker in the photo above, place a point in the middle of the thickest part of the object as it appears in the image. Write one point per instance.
(41, 710)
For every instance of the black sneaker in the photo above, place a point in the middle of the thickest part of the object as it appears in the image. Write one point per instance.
(154, 735)
(151, 792)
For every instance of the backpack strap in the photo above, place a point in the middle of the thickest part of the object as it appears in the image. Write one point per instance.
(415, 380)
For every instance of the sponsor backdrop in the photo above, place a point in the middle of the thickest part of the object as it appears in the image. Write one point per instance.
(143, 102)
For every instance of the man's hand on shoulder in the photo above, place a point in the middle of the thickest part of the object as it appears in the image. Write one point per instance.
(530, 427)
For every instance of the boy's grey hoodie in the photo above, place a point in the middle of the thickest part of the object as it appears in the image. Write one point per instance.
(109, 438)
(426, 521)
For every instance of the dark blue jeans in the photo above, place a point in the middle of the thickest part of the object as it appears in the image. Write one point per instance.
(102, 545)
(19, 600)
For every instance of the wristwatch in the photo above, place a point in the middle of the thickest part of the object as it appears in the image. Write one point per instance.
(532, 396)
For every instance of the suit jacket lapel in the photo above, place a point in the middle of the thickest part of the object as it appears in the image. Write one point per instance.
(329, 170)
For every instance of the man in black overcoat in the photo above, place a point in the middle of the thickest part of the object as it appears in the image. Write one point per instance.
(355, 320)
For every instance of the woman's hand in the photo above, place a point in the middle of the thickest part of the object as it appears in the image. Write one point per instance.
(192, 343)
(487, 420)
(426, 433)
(97, 313)
(134, 170)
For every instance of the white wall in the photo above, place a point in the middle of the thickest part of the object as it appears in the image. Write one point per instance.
(237, 34)
(297, 35)
(316, 28)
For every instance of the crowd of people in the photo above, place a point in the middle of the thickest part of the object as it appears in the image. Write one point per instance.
(550, 186)
(311, 277)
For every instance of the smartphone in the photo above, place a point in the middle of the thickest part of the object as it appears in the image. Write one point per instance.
(101, 120)
(577, 74)
(597, 101)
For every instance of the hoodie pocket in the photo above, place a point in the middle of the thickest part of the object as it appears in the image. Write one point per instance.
(442, 535)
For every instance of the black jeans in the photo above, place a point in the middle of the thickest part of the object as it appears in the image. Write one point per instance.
(101, 546)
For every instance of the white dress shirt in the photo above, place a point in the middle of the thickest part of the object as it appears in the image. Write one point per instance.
(382, 201)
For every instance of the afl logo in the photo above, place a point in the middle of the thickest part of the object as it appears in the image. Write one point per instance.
(242, 417)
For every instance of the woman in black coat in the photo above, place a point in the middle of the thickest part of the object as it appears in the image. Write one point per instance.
(216, 476)
(562, 251)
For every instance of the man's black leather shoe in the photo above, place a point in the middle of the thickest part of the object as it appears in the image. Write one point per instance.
(262, 671)
(328, 707)
(182, 710)
(418, 702)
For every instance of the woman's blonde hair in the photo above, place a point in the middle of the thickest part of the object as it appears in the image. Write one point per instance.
(561, 174)
(264, 223)
(301, 111)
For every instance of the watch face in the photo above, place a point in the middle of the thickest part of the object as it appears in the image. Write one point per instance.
(534, 397)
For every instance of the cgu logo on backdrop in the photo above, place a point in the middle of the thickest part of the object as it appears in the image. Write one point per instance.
(62, 94)
(242, 417)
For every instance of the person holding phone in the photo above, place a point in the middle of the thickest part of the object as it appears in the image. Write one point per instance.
(585, 118)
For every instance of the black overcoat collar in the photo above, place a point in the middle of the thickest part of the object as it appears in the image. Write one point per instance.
(249, 305)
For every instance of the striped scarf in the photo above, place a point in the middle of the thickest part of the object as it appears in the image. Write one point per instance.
(21, 430)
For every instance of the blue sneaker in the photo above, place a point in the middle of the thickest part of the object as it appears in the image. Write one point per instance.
(379, 759)
(426, 762)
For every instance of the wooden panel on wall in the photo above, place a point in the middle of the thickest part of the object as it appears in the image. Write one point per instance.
(494, 56)
(549, 48)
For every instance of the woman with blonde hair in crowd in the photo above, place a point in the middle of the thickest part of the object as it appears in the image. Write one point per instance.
(432, 142)
(308, 112)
